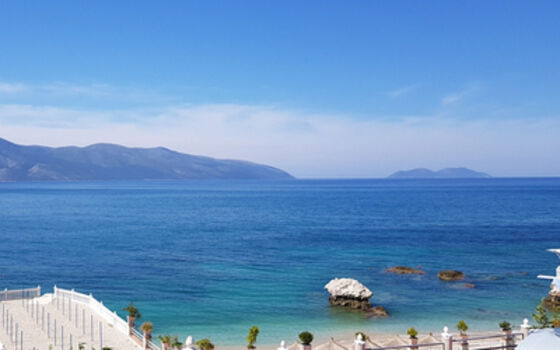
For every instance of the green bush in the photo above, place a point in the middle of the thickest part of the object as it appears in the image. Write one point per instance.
(205, 344)
(462, 327)
(541, 317)
(505, 326)
(413, 333)
(252, 337)
(132, 311)
(306, 338)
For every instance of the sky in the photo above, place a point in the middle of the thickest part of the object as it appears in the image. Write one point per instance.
(321, 89)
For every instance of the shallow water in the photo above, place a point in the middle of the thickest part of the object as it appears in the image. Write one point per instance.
(211, 259)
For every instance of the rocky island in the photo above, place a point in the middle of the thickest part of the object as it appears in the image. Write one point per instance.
(350, 293)
(405, 270)
(447, 173)
(451, 275)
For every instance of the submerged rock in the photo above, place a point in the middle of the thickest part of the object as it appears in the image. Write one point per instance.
(451, 275)
(378, 311)
(469, 285)
(405, 270)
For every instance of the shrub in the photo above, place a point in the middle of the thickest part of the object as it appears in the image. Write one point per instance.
(413, 333)
(306, 338)
(165, 339)
(252, 337)
(176, 343)
(146, 327)
(505, 326)
(462, 327)
(132, 311)
(541, 317)
(205, 344)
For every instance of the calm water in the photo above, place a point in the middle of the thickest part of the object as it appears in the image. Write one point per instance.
(211, 259)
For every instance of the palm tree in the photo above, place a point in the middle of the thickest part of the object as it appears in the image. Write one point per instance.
(165, 340)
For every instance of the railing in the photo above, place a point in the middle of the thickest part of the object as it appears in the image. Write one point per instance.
(411, 346)
(149, 344)
(17, 294)
(506, 346)
(110, 316)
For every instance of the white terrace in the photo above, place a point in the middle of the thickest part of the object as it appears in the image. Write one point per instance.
(62, 320)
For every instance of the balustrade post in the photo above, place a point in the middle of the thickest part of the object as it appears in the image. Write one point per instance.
(447, 339)
(525, 327)
(359, 342)
(100, 335)
(91, 326)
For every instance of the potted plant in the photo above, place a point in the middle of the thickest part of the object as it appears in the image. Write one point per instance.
(306, 338)
(462, 328)
(252, 337)
(176, 344)
(146, 327)
(413, 334)
(505, 326)
(165, 341)
(133, 314)
(205, 344)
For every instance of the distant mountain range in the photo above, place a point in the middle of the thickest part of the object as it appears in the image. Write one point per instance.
(114, 162)
(447, 173)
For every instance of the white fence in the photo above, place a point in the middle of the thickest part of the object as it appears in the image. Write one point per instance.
(16, 294)
(109, 316)
(97, 306)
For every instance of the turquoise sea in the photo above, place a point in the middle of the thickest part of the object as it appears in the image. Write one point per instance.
(212, 258)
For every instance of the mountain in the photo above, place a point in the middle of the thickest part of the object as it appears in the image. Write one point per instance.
(447, 173)
(114, 162)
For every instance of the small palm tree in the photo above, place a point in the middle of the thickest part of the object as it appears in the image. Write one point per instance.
(165, 340)
(252, 337)
(146, 327)
(176, 343)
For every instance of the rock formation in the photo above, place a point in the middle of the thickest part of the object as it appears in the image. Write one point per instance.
(451, 275)
(405, 270)
(350, 293)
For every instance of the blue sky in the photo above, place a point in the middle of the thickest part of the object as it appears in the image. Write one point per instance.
(319, 88)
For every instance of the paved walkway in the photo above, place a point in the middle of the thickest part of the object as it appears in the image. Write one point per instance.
(46, 323)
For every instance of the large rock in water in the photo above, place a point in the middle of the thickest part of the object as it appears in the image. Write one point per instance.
(349, 293)
(405, 270)
(450, 275)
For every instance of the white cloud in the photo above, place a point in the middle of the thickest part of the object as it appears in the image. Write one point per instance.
(306, 144)
(456, 97)
(11, 88)
(402, 91)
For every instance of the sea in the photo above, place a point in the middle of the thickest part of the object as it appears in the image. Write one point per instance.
(213, 258)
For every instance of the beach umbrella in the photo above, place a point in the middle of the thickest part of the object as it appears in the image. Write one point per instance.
(543, 339)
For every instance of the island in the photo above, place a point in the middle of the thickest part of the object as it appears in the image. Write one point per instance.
(447, 173)
(115, 162)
